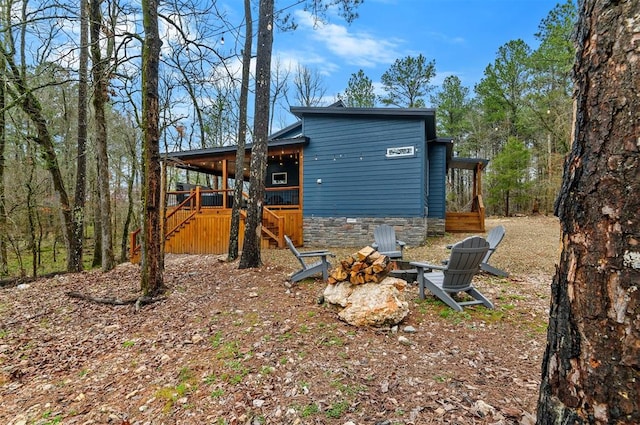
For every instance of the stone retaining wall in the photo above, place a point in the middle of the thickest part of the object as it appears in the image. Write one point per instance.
(358, 232)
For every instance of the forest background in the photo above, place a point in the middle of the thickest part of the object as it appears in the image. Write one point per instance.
(71, 124)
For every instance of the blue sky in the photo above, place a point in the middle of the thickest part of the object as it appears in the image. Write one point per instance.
(462, 36)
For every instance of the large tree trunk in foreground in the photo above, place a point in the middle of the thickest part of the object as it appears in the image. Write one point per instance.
(253, 228)
(4, 262)
(152, 253)
(591, 369)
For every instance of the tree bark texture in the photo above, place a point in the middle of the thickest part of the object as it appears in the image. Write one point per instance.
(234, 232)
(152, 261)
(131, 179)
(4, 266)
(74, 262)
(253, 229)
(591, 368)
(99, 73)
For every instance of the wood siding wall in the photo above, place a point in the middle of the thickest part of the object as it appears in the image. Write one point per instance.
(465, 222)
(348, 154)
(208, 232)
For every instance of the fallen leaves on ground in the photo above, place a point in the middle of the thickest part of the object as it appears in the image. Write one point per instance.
(230, 346)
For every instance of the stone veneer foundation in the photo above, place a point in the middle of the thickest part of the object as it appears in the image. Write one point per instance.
(358, 231)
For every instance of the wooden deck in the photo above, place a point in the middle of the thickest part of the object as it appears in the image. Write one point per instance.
(466, 222)
(199, 222)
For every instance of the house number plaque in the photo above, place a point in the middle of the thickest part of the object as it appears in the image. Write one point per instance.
(400, 152)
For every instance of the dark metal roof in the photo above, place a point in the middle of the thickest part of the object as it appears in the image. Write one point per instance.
(299, 111)
(296, 125)
(223, 150)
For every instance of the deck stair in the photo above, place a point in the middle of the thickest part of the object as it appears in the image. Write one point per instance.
(180, 217)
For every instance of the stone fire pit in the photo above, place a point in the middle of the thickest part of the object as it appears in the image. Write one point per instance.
(404, 270)
(364, 293)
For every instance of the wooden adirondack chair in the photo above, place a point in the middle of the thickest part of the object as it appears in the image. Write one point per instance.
(386, 242)
(457, 275)
(494, 237)
(321, 266)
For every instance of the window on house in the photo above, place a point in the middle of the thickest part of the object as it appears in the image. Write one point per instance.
(278, 178)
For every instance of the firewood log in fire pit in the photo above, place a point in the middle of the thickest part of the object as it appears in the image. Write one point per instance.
(364, 266)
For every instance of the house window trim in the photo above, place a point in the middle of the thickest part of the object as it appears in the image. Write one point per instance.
(279, 178)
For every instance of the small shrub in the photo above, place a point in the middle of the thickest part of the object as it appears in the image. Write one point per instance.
(309, 410)
(217, 393)
(337, 409)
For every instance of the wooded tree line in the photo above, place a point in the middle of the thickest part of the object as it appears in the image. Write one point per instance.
(71, 140)
(518, 116)
(77, 115)
(76, 150)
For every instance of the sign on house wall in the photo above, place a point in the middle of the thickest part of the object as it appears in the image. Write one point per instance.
(399, 152)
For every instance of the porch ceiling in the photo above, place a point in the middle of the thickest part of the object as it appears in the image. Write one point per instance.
(210, 160)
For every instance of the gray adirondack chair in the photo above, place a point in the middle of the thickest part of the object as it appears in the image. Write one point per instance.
(494, 237)
(308, 270)
(386, 242)
(457, 275)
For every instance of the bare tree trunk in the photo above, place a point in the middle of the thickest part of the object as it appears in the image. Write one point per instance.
(77, 238)
(31, 210)
(234, 233)
(97, 226)
(253, 229)
(131, 179)
(152, 261)
(507, 197)
(99, 100)
(591, 368)
(4, 264)
(33, 109)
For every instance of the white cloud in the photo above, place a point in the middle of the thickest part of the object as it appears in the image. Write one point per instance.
(354, 48)
(447, 39)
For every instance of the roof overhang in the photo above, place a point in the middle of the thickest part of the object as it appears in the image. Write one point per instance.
(208, 160)
(467, 163)
(458, 162)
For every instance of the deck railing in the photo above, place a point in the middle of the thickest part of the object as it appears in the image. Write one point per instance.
(183, 206)
(470, 221)
(282, 198)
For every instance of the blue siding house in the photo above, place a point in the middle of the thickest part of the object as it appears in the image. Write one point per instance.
(339, 172)
(367, 166)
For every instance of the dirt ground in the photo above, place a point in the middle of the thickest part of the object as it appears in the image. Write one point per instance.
(231, 346)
